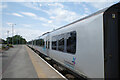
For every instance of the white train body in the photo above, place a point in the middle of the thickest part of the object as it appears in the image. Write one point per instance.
(88, 55)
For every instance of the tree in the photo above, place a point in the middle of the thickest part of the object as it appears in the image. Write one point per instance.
(17, 39)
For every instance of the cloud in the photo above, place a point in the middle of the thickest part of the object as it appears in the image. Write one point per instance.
(16, 0)
(34, 16)
(25, 32)
(50, 21)
(50, 25)
(96, 0)
(3, 6)
(29, 14)
(9, 23)
(87, 11)
(42, 19)
(59, 0)
(60, 15)
(56, 5)
(52, 17)
(26, 25)
(38, 6)
(56, 11)
(28, 33)
(16, 14)
(101, 5)
(33, 5)
(64, 15)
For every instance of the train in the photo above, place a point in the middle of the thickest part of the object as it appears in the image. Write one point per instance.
(88, 47)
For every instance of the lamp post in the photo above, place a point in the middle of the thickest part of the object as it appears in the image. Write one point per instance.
(12, 32)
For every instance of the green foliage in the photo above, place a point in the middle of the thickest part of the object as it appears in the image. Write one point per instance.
(9, 45)
(5, 47)
(17, 39)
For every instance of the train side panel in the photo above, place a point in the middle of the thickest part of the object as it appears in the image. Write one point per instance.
(90, 53)
(89, 57)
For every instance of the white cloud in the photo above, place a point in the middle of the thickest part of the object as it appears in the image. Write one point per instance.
(56, 5)
(25, 32)
(9, 23)
(42, 19)
(28, 33)
(33, 5)
(15, 0)
(50, 21)
(59, 0)
(101, 5)
(52, 17)
(40, 5)
(3, 6)
(16, 14)
(34, 16)
(29, 14)
(57, 13)
(87, 11)
(26, 25)
(50, 25)
(61, 15)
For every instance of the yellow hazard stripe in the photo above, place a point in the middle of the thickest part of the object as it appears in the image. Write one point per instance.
(35, 64)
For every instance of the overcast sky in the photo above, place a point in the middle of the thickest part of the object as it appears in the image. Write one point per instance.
(35, 18)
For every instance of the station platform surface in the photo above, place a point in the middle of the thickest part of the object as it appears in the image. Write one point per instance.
(22, 62)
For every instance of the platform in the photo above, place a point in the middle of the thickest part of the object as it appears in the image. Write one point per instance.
(22, 62)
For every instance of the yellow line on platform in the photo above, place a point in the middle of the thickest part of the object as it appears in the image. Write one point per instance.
(35, 63)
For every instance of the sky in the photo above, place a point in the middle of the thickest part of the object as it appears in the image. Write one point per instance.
(32, 19)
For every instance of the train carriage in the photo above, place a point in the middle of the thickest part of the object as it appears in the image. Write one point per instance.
(89, 46)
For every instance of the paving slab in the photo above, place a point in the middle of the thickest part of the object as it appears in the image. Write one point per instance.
(22, 62)
(17, 64)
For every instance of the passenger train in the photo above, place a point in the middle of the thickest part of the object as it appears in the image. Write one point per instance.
(88, 46)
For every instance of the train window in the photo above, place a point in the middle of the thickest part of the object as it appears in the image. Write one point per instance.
(34, 42)
(54, 43)
(39, 42)
(61, 42)
(71, 42)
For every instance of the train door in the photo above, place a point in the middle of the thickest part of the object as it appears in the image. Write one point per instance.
(112, 42)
